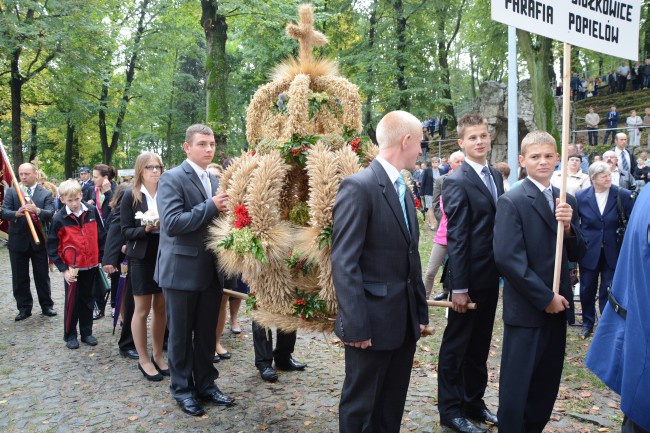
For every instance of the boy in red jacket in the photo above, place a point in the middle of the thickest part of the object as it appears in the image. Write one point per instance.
(76, 241)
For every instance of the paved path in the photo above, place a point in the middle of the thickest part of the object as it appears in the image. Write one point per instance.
(45, 387)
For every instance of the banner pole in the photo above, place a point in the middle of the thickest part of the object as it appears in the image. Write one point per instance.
(566, 126)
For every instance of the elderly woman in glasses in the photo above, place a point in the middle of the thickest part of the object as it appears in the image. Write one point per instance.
(142, 237)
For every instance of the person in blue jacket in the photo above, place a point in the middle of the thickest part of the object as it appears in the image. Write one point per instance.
(619, 350)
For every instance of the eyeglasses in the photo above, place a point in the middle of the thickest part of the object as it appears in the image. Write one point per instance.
(153, 167)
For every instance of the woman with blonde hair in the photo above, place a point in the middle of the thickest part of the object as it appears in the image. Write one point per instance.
(142, 249)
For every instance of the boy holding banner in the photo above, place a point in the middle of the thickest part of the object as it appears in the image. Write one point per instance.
(535, 317)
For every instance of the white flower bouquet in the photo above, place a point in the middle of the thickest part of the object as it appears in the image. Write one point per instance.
(150, 217)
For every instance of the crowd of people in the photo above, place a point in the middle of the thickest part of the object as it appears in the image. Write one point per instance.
(617, 80)
(485, 231)
(153, 228)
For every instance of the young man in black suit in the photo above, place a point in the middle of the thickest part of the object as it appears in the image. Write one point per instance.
(22, 248)
(187, 272)
(469, 195)
(377, 275)
(535, 318)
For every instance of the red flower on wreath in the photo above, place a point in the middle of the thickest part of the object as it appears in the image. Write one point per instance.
(300, 302)
(417, 202)
(242, 219)
(354, 144)
(250, 153)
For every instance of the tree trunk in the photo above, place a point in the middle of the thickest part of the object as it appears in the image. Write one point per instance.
(217, 71)
(103, 130)
(33, 142)
(645, 48)
(400, 33)
(367, 113)
(69, 150)
(472, 72)
(538, 55)
(16, 86)
(443, 57)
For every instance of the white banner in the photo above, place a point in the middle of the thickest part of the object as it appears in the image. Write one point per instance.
(605, 26)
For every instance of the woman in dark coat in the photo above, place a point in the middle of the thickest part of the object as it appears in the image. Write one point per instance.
(599, 220)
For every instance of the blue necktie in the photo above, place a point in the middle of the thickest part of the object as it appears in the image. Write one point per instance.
(626, 166)
(549, 199)
(488, 182)
(401, 190)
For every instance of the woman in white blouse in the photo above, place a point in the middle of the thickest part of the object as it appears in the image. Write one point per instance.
(576, 179)
(633, 123)
(142, 250)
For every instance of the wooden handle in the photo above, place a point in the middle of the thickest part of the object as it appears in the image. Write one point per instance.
(30, 223)
(234, 294)
(449, 304)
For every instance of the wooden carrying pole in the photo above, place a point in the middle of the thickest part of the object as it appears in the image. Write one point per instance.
(20, 195)
(446, 304)
(566, 124)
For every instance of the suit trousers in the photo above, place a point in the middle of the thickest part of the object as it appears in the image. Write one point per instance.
(21, 282)
(531, 368)
(630, 426)
(83, 305)
(263, 346)
(589, 287)
(192, 322)
(462, 361)
(128, 307)
(375, 387)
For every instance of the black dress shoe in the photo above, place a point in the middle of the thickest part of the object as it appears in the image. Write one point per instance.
(584, 332)
(22, 315)
(129, 353)
(289, 364)
(268, 374)
(483, 415)
(218, 398)
(191, 407)
(98, 315)
(224, 355)
(49, 311)
(152, 377)
(89, 340)
(215, 359)
(72, 343)
(163, 372)
(441, 296)
(461, 425)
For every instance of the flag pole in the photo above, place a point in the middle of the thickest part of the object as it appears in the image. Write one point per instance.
(566, 124)
(19, 193)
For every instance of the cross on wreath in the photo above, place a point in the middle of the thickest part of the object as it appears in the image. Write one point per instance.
(305, 34)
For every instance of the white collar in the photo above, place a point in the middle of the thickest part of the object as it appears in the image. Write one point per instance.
(478, 168)
(144, 191)
(68, 211)
(541, 187)
(391, 171)
(199, 171)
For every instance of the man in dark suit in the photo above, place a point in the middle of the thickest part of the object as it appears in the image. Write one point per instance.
(87, 184)
(626, 159)
(22, 249)
(612, 123)
(378, 281)
(187, 272)
(469, 195)
(535, 317)
(426, 192)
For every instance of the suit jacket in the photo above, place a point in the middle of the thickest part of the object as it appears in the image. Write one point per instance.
(133, 232)
(114, 239)
(375, 262)
(632, 160)
(524, 251)
(20, 236)
(184, 262)
(88, 190)
(600, 230)
(470, 210)
(426, 184)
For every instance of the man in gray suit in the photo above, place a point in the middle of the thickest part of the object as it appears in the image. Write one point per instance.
(377, 276)
(186, 271)
(22, 248)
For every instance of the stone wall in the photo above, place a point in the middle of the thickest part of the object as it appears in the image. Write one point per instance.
(493, 104)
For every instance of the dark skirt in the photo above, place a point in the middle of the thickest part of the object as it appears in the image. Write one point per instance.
(141, 270)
